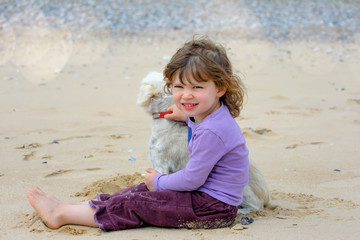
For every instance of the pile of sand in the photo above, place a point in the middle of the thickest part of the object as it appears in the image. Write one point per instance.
(110, 185)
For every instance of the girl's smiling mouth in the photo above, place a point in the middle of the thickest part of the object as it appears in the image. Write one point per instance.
(189, 106)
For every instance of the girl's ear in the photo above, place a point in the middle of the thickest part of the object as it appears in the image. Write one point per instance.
(221, 92)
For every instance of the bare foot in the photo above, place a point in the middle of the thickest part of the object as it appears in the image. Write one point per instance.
(49, 208)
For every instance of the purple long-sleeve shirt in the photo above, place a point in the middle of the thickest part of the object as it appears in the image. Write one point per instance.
(218, 163)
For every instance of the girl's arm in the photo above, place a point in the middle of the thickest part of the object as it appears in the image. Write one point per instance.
(207, 151)
(176, 114)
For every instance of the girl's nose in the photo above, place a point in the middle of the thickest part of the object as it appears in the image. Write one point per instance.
(187, 94)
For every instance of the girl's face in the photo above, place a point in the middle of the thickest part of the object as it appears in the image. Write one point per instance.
(196, 99)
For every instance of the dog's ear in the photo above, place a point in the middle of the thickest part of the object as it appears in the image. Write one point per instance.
(145, 95)
(151, 86)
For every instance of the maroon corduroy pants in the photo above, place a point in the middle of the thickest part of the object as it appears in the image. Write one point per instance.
(136, 206)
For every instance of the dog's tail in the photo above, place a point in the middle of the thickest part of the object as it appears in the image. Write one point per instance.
(256, 194)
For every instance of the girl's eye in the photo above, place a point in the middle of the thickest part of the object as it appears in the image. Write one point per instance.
(178, 86)
(197, 87)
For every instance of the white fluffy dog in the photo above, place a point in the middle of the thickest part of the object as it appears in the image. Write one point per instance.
(168, 150)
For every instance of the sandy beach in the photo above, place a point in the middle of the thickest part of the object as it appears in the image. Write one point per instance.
(76, 134)
(69, 125)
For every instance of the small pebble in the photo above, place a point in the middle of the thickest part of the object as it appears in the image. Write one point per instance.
(132, 158)
(337, 170)
(89, 156)
(340, 89)
(54, 142)
(246, 220)
(239, 226)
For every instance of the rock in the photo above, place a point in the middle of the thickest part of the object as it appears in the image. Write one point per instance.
(239, 226)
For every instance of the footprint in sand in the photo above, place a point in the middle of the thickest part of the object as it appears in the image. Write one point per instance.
(279, 97)
(304, 144)
(29, 146)
(92, 169)
(71, 138)
(353, 103)
(313, 110)
(29, 156)
(256, 131)
(104, 114)
(61, 172)
(119, 136)
(47, 157)
(294, 110)
(113, 136)
(272, 112)
(58, 172)
(356, 101)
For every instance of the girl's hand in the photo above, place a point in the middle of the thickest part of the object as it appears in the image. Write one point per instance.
(176, 114)
(149, 178)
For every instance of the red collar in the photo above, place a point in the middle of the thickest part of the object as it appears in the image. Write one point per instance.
(160, 114)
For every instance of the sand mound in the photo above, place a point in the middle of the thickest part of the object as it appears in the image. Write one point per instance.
(110, 185)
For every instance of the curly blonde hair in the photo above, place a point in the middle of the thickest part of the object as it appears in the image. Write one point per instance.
(206, 60)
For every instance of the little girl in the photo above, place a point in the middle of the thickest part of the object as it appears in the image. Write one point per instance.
(206, 193)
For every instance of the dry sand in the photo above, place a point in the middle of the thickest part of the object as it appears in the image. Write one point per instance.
(69, 125)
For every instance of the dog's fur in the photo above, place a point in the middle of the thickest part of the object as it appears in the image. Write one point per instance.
(168, 150)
